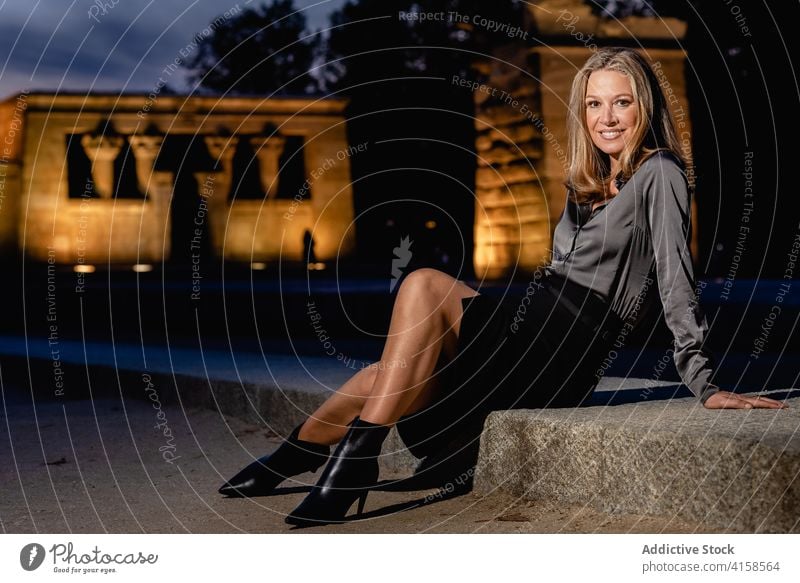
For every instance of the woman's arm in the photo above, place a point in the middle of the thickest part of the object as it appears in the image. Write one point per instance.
(668, 208)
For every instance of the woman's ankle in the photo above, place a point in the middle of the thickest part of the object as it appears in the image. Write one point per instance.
(378, 420)
(375, 424)
(320, 433)
(306, 432)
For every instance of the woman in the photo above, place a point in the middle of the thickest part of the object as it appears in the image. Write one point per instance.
(620, 245)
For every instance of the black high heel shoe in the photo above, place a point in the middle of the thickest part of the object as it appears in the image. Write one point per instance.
(294, 456)
(351, 473)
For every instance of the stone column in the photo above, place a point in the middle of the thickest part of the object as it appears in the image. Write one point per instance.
(102, 151)
(145, 150)
(268, 150)
(159, 244)
(222, 149)
(328, 155)
(511, 218)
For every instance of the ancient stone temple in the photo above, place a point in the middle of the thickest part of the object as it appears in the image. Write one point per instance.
(522, 135)
(127, 180)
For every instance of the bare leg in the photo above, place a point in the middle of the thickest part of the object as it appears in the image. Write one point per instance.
(328, 423)
(426, 321)
(423, 334)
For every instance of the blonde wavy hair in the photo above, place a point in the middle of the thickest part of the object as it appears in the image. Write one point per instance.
(589, 170)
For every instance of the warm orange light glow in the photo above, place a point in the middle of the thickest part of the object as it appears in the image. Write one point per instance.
(142, 267)
(66, 227)
(258, 266)
(430, 224)
(83, 268)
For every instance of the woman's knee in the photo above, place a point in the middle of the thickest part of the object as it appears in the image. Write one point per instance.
(420, 280)
(426, 284)
(422, 298)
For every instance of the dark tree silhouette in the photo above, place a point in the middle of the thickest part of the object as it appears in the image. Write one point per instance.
(268, 47)
(264, 49)
(370, 39)
(397, 70)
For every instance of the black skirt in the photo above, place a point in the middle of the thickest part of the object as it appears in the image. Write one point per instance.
(541, 348)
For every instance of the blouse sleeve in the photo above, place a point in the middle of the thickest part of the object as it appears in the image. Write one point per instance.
(668, 208)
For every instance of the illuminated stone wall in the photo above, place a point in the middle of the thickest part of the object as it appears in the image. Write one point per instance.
(45, 220)
(522, 135)
(12, 124)
(511, 216)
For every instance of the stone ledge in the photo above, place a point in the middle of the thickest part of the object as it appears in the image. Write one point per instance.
(738, 470)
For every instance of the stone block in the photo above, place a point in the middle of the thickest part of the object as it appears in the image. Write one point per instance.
(513, 195)
(518, 172)
(503, 153)
(733, 469)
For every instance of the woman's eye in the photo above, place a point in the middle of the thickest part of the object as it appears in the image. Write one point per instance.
(592, 103)
(623, 102)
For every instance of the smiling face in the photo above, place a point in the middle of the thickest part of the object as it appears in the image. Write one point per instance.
(611, 112)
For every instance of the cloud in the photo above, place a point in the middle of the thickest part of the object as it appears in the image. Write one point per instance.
(50, 40)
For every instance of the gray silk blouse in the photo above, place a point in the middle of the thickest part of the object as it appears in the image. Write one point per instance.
(633, 244)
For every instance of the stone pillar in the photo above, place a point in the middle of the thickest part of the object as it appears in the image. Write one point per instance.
(10, 189)
(511, 218)
(159, 244)
(556, 69)
(161, 185)
(222, 149)
(145, 150)
(328, 155)
(268, 150)
(102, 151)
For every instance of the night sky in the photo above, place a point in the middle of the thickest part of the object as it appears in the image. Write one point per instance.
(55, 45)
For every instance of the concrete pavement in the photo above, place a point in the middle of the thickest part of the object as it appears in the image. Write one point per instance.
(641, 449)
(99, 466)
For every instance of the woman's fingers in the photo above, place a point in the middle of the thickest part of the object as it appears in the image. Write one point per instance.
(737, 402)
(767, 403)
(727, 400)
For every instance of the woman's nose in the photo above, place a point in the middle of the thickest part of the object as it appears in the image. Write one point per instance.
(607, 116)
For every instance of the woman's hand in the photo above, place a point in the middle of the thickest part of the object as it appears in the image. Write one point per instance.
(726, 400)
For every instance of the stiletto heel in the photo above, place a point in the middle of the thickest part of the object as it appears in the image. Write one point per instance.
(294, 456)
(361, 501)
(351, 473)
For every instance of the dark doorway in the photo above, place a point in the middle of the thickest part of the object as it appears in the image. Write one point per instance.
(190, 216)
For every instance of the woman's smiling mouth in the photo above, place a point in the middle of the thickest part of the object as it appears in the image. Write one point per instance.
(610, 134)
